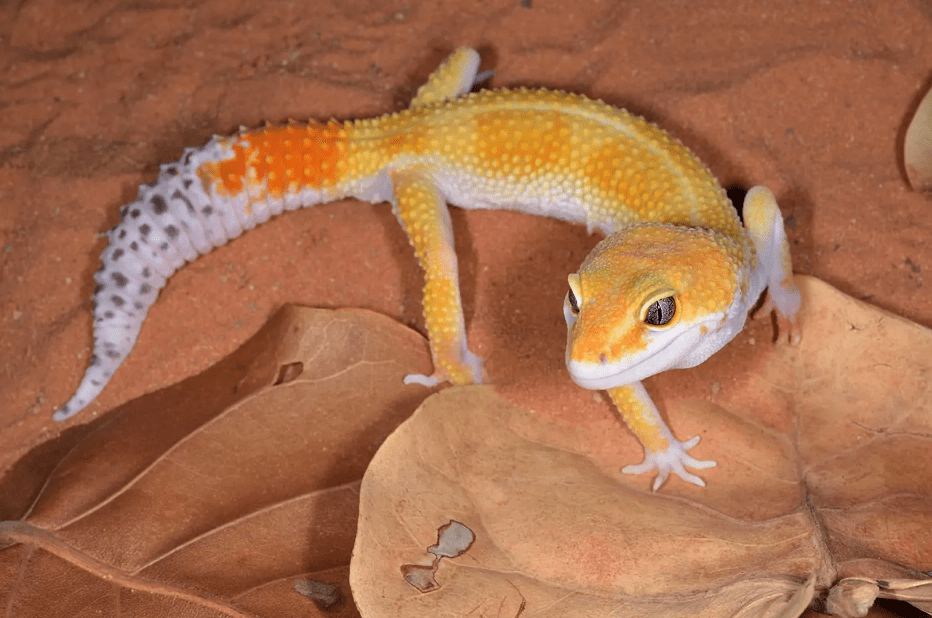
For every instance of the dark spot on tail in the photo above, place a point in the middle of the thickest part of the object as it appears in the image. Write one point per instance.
(164, 246)
(117, 254)
(120, 279)
(187, 182)
(122, 234)
(172, 231)
(145, 229)
(135, 213)
(207, 210)
(145, 288)
(134, 246)
(159, 205)
(94, 359)
(109, 315)
(146, 272)
(117, 300)
(112, 354)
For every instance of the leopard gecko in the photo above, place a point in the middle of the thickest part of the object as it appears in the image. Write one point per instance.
(671, 283)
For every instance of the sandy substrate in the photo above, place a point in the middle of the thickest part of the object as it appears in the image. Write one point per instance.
(809, 99)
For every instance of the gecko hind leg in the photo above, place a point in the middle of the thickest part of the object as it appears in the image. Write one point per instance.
(454, 77)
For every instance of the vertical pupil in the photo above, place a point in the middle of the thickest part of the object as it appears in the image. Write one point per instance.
(661, 312)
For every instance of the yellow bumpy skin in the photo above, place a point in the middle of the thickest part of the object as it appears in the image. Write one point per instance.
(670, 285)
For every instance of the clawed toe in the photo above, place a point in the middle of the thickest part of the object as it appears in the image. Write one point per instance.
(674, 460)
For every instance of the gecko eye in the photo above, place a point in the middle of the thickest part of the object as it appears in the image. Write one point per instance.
(574, 302)
(572, 297)
(660, 312)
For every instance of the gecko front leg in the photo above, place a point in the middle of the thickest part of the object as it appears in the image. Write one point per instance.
(662, 451)
(764, 224)
(423, 213)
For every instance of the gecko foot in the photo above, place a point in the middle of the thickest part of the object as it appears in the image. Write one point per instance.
(674, 459)
(467, 370)
(423, 380)
(788, 330)
(787, 326)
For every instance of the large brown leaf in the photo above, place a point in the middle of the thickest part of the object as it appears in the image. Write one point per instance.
(917, 146)
(824, 473)
(217, 496)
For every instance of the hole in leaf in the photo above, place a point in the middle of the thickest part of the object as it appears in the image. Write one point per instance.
(420, 576)
(453, 539)
(288, 373)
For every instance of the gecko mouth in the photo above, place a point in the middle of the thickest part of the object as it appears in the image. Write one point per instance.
(596, 376)
(672, 349)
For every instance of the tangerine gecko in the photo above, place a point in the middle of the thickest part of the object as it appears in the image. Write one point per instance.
(671, 283)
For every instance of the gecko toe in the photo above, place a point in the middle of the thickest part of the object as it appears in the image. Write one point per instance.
(673, 460)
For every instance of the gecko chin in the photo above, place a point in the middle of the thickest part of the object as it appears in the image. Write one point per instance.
(598, 376)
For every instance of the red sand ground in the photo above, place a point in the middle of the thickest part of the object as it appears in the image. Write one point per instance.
(811, 99)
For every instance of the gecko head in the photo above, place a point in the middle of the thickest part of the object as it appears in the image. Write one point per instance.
(649, 298)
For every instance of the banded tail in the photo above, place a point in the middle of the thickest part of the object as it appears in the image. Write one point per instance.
(210, 196)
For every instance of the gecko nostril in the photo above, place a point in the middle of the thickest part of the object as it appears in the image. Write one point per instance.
(603, 359)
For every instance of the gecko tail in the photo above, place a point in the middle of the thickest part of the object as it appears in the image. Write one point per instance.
(112, 345)
(171, 221)
(210, 196)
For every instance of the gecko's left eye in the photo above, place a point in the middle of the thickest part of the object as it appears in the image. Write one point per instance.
(574, 303)
(573, 296)
(660, 312)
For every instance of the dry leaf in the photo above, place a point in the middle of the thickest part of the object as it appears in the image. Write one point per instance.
(854, 596)
(917, 146)
(834, 482)
(221, 495)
